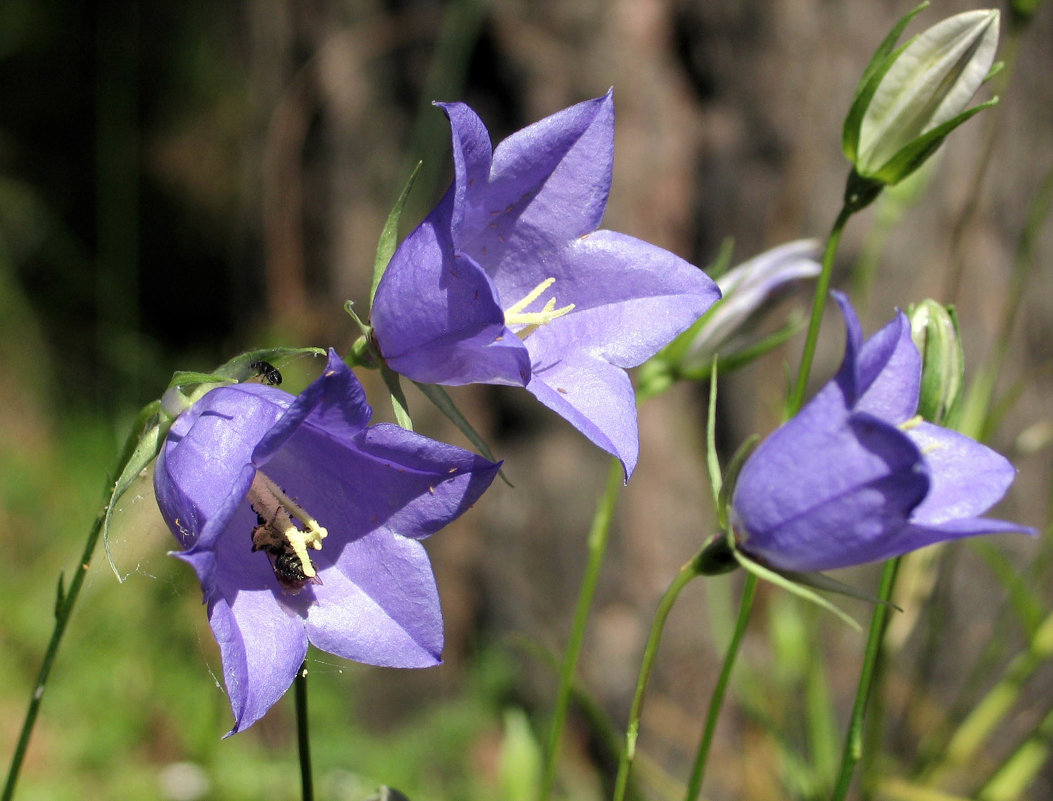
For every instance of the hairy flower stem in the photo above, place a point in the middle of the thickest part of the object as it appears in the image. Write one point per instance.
(63, 610)
(822, 289)
(698, 769)
(303, 735)
(689, 571)
(598, 537)
(853, 750)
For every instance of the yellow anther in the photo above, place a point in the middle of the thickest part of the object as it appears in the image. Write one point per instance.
(913, 422)
(515, 314)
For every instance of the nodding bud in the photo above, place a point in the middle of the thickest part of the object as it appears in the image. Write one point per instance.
(934, 329)
(911, 98)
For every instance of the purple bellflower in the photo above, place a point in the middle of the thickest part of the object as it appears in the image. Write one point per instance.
(507, 281)
(856, 477)
(303, 524)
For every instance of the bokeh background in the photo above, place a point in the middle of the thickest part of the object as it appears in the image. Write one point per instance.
(183, 181)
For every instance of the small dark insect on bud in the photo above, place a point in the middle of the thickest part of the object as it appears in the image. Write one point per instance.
(267, 373)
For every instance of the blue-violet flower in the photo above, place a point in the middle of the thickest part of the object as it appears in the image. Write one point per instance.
(856, 477)
(507, 281)
(303, 524)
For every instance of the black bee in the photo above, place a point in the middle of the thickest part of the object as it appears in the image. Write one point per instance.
(267, 373)
(268, 536)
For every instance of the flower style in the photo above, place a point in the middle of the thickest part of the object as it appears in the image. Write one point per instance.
(855, 477)
(464, 297)
(337, 508)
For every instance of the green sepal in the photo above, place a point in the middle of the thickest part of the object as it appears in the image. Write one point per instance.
(389, 234)
(716, 479)
(911, 156)
(241, 368)
(444, 403)
(142, 446)
(793, 585)
(398, 397)
(731, 476)
(879, 64)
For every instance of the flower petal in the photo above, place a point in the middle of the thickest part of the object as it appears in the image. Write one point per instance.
(207, 457)
(548, 183)
(596, 398)
(259, 630)
(968, 478)
(436, 315)
(335, 402)
(813, 499)
(630, 299)
(378, 604)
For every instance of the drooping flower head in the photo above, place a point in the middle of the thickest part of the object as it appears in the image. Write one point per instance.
(508, 281)
(304, 523)
(855, 477)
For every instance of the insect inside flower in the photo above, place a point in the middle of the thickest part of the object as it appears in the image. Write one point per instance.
(281, 539)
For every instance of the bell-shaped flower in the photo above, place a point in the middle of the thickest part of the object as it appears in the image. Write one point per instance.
(304, 523)
(508, 281)
(911, 98)
(856, 477)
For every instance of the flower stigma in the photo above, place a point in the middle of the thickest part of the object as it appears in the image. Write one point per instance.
(515, 314)
(280, 538)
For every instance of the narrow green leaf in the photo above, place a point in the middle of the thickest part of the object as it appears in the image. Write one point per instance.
(389, 234)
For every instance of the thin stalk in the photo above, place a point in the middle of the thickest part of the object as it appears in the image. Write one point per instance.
(822, 287)
(853, 750)
(303, 735)
(687, 572)
(698, 770)
(599, 534)
(63, 610)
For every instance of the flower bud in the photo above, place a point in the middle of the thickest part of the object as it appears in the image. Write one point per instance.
(934, 329)
(748, 291)
(911, 98)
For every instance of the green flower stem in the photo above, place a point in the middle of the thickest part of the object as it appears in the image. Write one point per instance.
(687, 572)
(853, 750)
(599, 534)
(698, 769)
(63, 610)
(822, 288)
(303, 735)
